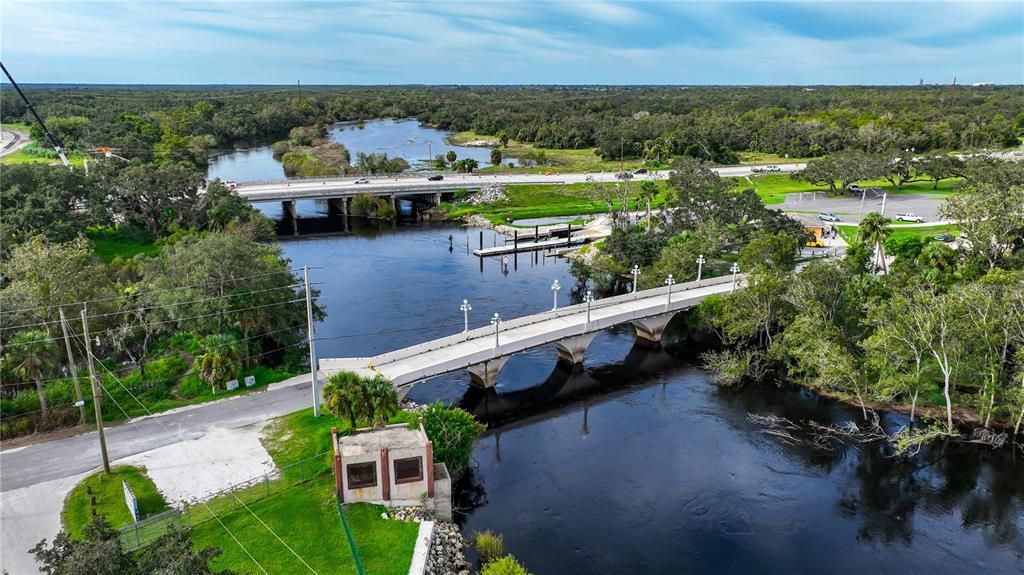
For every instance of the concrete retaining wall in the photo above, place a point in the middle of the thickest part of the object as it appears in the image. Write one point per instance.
(421, 553)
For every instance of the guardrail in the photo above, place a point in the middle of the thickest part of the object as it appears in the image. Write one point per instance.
(528, 320)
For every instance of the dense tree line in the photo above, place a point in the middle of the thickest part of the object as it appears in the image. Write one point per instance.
(709, 123)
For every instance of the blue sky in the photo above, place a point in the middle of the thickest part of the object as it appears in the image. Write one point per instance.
(504, 42)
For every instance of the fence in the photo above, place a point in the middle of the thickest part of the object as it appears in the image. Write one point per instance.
(238, 496)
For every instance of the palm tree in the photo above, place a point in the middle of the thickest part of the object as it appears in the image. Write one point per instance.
(382, 400)
(220, 360)
(33, 355)
(344, 396)
(648, 190)
(873, 231)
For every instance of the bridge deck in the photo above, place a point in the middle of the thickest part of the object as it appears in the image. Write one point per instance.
(416, 363)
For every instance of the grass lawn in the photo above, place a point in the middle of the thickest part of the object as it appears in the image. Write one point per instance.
(110, 243)
(546, 200)
(298, 436)
(19, 126)
(306, 518)
(110, 501)
(847, 231)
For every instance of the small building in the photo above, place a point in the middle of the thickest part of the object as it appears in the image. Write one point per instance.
(813, 226)
(392, 466)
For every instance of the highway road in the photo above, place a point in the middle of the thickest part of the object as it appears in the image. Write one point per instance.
(419, 184)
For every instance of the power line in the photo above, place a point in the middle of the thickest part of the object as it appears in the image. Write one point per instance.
(158, 306)
(162, 290)
(175, 320)
(160, 423)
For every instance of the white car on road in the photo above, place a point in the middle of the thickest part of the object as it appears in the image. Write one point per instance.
(828, 217)
(909, 217)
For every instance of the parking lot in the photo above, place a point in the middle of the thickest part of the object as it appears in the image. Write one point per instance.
(924, 205)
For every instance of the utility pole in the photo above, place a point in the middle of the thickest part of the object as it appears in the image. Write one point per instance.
(97, 393)
(312, 345)
(73, 368)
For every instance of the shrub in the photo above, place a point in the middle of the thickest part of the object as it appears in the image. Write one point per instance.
(507, 565)
(461, 194)
(452, 432)
(489, 545)
(192, 386)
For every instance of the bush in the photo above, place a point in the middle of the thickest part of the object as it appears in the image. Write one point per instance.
(461, 194)
(452, 432)
(507, 565)
(489, 545)
(192, 387)
(370, 206)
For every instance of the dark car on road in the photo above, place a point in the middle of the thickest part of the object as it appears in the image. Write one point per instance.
(436, 178)
(640, 171)
(944, 238)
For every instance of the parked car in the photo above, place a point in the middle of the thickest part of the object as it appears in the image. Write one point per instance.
(640, 171)
(854, 188)
(436, 178)
(362, 181)
(909, 217)
(231, 185)
(944, 238)
(828, 217)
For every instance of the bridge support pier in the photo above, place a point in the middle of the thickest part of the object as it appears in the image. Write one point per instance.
(571, 349)
(338, 206)
(290, 211)
(486, 374)
(394, 204)
(649, 329)
(437, 199)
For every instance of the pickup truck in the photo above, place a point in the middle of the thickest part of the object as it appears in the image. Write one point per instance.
(909, 217)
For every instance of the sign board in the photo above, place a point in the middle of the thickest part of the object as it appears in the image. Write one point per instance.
(233, 384)
(131, 501)
(250, 380)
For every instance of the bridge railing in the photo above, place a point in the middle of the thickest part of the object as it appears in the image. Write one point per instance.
(514, 323)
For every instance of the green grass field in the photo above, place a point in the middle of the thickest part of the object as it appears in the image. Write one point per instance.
(110, 243)
(306, 517)
(847, 231)
(563, 160)
(110, 502)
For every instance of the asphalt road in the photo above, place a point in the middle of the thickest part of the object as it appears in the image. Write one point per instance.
(326, 186)
(42, 462)
(12, 141)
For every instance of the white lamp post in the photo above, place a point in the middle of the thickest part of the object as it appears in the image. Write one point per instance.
(735, 269)
(496, 322)
(669, 281)
(636, 276)
(588, 298)
(555, 286)
(700, 267)
(466, 308)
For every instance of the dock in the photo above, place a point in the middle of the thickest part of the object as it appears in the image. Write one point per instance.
(530, 246)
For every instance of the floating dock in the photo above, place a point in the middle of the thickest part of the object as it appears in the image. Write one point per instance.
(530, 246)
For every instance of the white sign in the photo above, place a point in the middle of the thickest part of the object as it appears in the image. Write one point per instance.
(131, 501)
(250, 380)
(233, 384)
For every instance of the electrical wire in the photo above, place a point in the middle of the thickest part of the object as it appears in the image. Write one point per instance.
(160, 423)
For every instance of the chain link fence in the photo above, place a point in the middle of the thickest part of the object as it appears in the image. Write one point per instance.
(238, 496)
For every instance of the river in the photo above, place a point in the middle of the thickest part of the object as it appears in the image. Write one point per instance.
(403, 138)
(637, 462)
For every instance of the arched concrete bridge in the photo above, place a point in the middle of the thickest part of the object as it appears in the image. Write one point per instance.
(568, 328)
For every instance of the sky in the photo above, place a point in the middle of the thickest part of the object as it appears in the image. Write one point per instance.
(512, 42)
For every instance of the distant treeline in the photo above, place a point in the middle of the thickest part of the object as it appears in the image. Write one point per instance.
(710, 123)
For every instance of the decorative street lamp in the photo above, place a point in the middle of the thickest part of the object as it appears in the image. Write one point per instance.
(496, 322)
(735, 269)
(588, 298)
(700, 266)
(636, 276)
(466, 308)
(669, 281)
(555, 286)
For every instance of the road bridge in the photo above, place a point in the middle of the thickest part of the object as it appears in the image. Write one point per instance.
(483, 351)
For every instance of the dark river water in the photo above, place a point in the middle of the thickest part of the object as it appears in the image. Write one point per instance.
(404, 138)
(636, 462)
